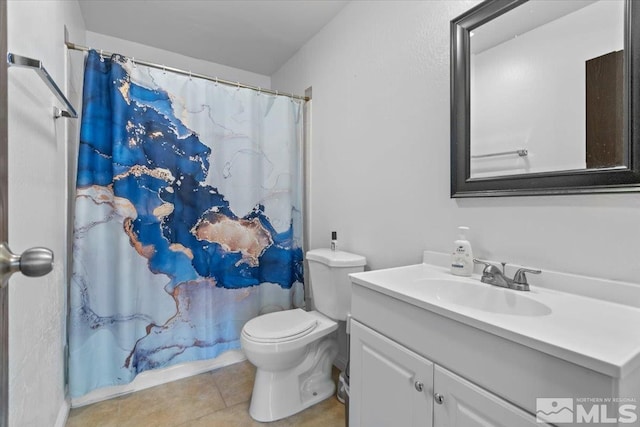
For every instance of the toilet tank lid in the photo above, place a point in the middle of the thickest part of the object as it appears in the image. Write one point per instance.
(336, 258)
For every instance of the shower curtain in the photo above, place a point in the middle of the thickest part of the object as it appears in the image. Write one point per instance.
(187, 220)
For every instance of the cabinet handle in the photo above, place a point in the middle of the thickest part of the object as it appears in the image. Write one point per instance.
(438, 398)
(419, 386)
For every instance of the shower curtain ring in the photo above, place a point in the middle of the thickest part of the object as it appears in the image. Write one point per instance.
(190, 75)
(164, 69)
(259, 90)
(216, 80)
(133, 61)
(238, 85)
(101, 57)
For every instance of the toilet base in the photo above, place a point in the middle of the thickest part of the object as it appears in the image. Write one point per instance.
(280, 394)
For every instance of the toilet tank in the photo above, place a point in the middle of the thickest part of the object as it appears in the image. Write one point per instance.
(330, 285)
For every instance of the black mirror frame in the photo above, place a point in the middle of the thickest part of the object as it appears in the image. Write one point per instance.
(609, 180)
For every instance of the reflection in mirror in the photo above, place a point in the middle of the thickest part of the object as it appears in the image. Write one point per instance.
(547, 89)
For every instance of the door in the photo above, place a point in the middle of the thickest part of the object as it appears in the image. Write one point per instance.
(460, 403)
(605, 111)
(389, 385)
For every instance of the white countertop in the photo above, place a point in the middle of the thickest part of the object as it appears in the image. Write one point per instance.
(600, 335)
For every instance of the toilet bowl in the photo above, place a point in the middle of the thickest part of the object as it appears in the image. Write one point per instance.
(293, 350)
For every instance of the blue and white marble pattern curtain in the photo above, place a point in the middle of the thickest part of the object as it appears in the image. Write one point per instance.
(188, 219)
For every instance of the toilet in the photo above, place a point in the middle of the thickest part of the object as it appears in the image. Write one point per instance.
(293, 350)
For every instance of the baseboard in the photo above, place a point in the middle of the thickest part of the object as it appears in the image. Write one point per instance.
(63, 413)
(159, 376)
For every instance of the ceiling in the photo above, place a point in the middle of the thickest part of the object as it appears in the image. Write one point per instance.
(253, 35)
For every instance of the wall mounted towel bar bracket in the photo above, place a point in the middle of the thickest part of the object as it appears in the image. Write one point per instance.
(22, 61)
(523, 152)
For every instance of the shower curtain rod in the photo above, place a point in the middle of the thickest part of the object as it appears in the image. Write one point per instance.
(74, 46)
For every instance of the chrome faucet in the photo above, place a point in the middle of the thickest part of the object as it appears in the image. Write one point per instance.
(492, 275)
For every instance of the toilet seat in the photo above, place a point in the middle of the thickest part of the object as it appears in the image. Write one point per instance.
(281, 326)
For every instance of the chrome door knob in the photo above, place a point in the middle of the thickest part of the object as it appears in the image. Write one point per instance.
(419, 386)
(33, 262)
(438, 398)
(36, 262)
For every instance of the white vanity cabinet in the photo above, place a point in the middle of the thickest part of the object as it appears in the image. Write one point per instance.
(464, 404)
(389, 384)
(431, 349)
(393, 386)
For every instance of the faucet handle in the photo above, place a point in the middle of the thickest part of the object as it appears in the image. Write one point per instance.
(488, 266)
(479, 261)
(520, 276)
(485, 263)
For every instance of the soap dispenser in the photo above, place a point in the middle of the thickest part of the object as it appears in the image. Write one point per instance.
(462, 257)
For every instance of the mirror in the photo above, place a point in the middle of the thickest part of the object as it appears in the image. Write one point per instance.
(541, 96)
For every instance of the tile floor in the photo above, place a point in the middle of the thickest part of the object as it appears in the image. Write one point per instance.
(218, 398)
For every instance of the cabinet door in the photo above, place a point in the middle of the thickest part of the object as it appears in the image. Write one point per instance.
(389, 385)
(464, 404)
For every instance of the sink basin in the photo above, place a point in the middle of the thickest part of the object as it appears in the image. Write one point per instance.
(590, 332)
(485, 297)
(429, 284)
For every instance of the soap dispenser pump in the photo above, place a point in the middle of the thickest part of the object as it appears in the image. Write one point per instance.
(462, 256)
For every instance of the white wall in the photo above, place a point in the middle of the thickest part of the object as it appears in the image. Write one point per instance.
(38, 209)
(380, 155)
(529, 92)
(171, 59)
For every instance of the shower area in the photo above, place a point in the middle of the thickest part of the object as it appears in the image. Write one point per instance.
(187, 219)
